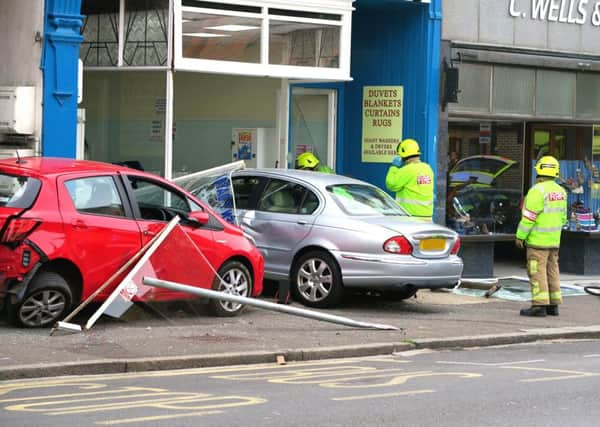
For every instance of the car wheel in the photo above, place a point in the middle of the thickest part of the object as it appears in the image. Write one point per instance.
(404, 292)
(317, 280)
(236, 281)
(47, 300)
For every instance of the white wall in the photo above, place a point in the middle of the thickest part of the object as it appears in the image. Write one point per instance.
(20, 54)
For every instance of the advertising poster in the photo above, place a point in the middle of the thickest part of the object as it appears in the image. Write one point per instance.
(382, 123)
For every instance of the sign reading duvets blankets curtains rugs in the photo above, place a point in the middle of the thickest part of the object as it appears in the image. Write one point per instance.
(382, 123)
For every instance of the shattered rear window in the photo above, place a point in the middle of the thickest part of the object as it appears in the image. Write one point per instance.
(18, 191)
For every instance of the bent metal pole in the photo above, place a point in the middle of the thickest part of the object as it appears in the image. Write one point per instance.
(264, 304)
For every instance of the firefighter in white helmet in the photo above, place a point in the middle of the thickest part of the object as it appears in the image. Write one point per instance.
(543, 217)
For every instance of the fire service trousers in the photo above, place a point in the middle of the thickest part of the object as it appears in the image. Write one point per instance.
(544, 276)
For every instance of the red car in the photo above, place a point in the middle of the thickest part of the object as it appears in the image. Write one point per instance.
(67, 225)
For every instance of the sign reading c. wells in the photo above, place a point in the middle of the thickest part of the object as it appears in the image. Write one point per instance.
(566, 11)
(382, 123)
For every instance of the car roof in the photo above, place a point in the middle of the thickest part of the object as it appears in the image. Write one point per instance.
(58, 165)
(315, 178)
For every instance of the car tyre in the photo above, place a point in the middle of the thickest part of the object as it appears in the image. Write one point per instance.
(48, 299)
(317, 280)
(237, 280)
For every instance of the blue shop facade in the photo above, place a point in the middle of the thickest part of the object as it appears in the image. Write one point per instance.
(182, 85)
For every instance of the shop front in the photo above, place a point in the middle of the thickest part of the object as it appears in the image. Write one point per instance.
(184, 85)
(529, 85)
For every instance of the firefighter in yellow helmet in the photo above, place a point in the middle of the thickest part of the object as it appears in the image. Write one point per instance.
(543, 216)
(411, 180)
(308, 161)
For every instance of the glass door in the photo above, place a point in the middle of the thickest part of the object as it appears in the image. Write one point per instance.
(313, 115)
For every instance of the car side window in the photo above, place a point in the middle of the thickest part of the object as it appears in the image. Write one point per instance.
(157, 202)
(282, 196)
(310, 204)
(96, 195)
(245, 189)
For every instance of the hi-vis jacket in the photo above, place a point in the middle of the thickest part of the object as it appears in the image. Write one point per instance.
(413, 185)
(543, 216)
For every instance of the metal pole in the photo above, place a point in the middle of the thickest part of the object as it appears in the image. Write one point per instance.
(263, 304)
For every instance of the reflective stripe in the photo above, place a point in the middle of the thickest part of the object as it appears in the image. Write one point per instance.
(530, 215)
(556, 296)
(553, 210)
(525, 228)
(547, 229)
(414, 202)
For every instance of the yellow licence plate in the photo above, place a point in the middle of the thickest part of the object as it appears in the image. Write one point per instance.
(432, 244)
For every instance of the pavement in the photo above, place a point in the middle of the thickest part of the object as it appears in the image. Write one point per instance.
(187, 337)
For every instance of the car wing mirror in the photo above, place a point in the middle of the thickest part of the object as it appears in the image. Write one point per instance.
(199, 217)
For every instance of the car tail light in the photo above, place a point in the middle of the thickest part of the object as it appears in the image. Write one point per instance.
(17, 229)
(456, 246)
(398, 245)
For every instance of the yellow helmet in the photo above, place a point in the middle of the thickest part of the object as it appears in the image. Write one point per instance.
(409, 148)
(307, 161)
(547, 166)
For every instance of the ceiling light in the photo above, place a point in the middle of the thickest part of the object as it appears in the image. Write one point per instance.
(233, 27)
(205, 35)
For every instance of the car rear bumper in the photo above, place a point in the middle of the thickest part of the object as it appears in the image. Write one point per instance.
(390, 271)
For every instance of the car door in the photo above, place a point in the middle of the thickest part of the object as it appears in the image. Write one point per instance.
(99, 226)
(154, 203)
(279, 219)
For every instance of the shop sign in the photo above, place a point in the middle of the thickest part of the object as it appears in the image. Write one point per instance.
(577, 12)
(596, 140)
(382, 123)
(485, 133)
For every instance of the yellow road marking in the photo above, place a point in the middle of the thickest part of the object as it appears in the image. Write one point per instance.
(58, 396)
(156, 418)
(65, 381)
(396, 380)
(378, 396)
(568, 374)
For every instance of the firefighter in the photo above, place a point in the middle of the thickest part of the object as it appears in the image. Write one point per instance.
(411, 180)
(308, 161)
(543, 216)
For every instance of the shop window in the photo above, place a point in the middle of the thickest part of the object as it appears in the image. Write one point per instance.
(588, 95)
(474, 83)
(555, 93)
(146, 30)
(513, 90)
(221, 37)
(485, 180)
(303, 44)
(100, 31)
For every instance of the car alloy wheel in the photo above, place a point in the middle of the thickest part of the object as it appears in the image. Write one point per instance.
(236, 280)
(317, 280)
(47, 300)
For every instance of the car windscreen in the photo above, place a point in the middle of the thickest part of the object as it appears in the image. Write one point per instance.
(18, 191)
(358, 199)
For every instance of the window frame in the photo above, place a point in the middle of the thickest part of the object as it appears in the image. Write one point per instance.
(342, 72)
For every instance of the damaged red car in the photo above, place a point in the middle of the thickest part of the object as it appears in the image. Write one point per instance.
(67, 225)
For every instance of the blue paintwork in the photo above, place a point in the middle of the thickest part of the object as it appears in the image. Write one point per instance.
(63, 21)
(394, 42)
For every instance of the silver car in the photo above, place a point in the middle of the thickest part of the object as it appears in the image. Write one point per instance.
(327, 233)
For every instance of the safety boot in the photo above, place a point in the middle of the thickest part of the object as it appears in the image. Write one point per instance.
(552, 310)
(534, 311)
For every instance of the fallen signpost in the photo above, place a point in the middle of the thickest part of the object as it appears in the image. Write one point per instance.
(310, 314)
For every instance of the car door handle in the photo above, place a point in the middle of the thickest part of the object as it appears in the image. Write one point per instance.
(79, 224)
(150, 233)
(302, 222)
